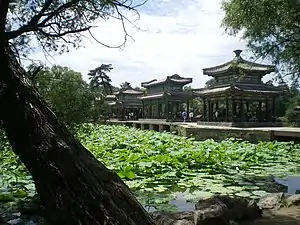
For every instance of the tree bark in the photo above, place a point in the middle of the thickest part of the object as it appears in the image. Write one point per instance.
(73, 186)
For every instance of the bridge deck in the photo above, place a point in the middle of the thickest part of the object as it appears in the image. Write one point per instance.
(217, 132)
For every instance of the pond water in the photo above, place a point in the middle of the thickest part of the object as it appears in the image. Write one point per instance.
(165, 203)
(176, 200)
(179, 202)
(291, 182)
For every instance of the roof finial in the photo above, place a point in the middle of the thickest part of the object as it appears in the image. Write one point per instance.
(237, 53)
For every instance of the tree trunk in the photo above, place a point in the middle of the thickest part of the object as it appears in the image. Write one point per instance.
(73, 186)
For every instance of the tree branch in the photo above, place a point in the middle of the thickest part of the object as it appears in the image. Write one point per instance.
(36, 70)
(59, 10)
(3, 14)
(33, 24)
(15, 33)
(58, 35)
(35, 19)
(66, 21)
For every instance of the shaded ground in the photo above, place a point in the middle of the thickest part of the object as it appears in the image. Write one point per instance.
(283, 216)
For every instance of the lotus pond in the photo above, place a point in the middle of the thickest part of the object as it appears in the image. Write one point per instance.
(169, 172)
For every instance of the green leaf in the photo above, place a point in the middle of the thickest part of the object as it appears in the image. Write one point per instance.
(243, 194)
(20, 194)
(6, 198)
(130, 175)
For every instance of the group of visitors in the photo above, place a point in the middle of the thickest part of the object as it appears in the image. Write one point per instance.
(127, 114)
(186, 116)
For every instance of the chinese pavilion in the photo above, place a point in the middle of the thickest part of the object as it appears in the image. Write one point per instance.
(164, 98)
(239, 95)
(125, 104)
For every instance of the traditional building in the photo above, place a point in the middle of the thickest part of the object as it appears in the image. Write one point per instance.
(111, 101)
(238, 95)
(125, 104)
(164, 98)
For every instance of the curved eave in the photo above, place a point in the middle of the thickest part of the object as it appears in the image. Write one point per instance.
(222, 67)
(182, 82)
(213, 91)
(228, 89)
(153, 82)
(143, 84)
(239, 64)
(152, 96)
(231, 68)
(130, 91)
(111, 103)
(141, 93)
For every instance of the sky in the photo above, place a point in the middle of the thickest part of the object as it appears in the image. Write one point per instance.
(170, 36)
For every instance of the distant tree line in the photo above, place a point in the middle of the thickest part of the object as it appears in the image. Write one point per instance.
(71, 98)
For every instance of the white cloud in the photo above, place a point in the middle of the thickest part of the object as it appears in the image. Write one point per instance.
(176, 37)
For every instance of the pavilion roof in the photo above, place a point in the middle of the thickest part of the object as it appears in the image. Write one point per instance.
(240, 63)
(111, 103)
(154, 96)
(174, 78)
(130, 91)
(250, 88)
(179, 95)
(130, 104)
(125, 104)
(110, 96)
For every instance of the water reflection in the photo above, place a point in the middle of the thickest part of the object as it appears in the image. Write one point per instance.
(291, 182)
(168, 201)
(181, 203)
(179, 200)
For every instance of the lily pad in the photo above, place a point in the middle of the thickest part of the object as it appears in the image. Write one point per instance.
(196, 195)
(260, 193)
(243, 194)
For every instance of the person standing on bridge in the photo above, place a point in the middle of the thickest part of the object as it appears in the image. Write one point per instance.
(184, 116)
(191, 116)
(216, 115)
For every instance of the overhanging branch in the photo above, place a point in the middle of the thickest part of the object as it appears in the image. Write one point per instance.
(3, 14)
(35, 19)
(65, 22)
(58, 35)
(34, 25)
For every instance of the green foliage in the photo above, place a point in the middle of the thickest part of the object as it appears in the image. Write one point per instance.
(271, 29)
(286, 100)
(33, 70)
(195, 103)
(162, 163)
(72, 99)
(100, 82)
(66, 92)
(125, 85)
(210, 83)
(291, 113)
(100, 86)
(157, 166)
(15, 181)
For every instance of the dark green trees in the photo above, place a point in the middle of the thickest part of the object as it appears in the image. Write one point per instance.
(270, 28)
